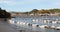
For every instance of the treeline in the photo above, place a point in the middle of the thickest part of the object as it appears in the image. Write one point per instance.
(36, 11)
(4, 14)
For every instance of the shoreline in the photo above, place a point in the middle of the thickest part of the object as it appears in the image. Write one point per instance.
(5, 27)
(33, 15)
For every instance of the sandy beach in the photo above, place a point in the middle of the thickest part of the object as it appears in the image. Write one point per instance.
(5, 27)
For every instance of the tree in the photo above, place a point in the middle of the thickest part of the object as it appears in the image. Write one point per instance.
(34, 11)
(4, 14)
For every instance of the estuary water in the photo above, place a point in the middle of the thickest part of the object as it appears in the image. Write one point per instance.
(38, 20)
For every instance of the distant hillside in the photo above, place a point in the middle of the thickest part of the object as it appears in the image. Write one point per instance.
(35, 11)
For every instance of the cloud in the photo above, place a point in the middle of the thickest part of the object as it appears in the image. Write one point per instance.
(23, 2)
(18, 2)
(7, 2)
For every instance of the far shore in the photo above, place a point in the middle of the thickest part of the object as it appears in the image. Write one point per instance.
(32, 15)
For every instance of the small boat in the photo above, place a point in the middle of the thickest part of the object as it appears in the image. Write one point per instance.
(35, 20)
(52, 27)
(10, 21)
(57, 28)
(44, 26)
(27, 23)
(22, 23)
(35, 25)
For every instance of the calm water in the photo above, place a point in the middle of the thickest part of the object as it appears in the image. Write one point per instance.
(40, 22)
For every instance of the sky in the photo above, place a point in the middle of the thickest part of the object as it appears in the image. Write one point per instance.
(28, 5)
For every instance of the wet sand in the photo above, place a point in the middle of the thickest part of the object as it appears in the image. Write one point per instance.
(5, 27)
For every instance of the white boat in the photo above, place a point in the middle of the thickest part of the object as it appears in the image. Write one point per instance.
(45, 21)
(54, 22)
(57, 28)
(52, 27)
(35, 25)
(43, 26)
(35, 20)
(22, 23)
(29, 24)
(11, 21)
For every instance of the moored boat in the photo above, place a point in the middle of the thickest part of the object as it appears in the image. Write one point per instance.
(57, 28)
(43, 26)
(35, 25)
(52, 27)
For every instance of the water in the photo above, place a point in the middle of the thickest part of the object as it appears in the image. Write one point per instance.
(30, 20)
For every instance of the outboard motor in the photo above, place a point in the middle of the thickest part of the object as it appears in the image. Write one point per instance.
(37, 25)
(29, 24)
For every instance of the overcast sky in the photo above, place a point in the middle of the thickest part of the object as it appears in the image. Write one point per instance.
(28, 5)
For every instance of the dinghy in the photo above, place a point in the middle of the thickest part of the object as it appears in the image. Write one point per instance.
(57, 28)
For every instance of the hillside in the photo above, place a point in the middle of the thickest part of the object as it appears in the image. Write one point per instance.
(35, 11)
(4, 14)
